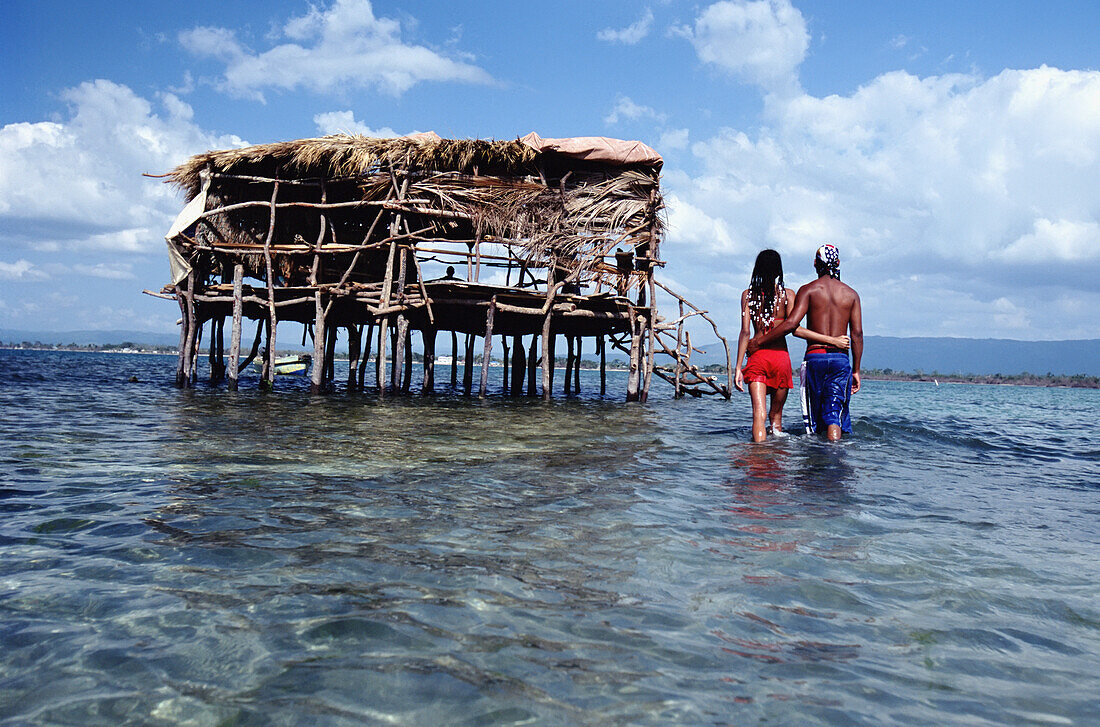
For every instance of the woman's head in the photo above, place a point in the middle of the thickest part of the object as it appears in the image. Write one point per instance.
(767, 270)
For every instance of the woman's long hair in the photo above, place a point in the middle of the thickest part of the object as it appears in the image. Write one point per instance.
(766, 286)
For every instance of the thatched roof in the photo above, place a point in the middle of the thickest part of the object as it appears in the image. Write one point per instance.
(344, 155)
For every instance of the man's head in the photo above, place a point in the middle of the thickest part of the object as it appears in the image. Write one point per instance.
(827, 261)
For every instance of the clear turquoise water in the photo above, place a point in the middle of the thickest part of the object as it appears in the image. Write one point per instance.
(198, 557)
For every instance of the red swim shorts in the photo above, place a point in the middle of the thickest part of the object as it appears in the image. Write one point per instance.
(770, 366)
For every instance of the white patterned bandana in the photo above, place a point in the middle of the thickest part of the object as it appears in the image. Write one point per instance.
(829, 257)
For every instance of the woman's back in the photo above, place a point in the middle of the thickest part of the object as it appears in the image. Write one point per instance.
(764, 317)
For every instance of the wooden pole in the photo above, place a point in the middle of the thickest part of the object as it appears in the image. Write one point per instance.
(330, 354)
(384, 324)
(468, 365)
(235, 333)
(547, 358)
(214, 355)
(633, 382)
(454, 359)
(518, 366)
(407, 383)
(195, 353)
(532, 365)
(190, 316)
(602, 345)
(394, 383)
(651, 323)
(679, 386)
(488, 347)
(355, 343)
(320, 363)
(181, 361)
(577, 367)
(379, 361)
(568, 365)
(398, 367)
(269, 359)
(367, 338)
(402, 359)
(505, 361)
(429, 360)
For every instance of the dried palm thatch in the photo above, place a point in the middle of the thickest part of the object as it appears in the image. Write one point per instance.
(344, 155)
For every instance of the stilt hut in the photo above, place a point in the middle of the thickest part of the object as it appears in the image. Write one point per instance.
(544, 238)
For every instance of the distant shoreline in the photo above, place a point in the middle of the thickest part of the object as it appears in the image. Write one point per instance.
(1077, 381)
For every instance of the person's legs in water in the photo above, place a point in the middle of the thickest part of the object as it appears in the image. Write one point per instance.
(775, 414)
(758, 392)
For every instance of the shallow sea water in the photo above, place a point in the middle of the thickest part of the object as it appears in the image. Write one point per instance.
(207, 558)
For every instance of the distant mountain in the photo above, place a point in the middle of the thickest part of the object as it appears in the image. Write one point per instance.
(83, 338)
(956, 355)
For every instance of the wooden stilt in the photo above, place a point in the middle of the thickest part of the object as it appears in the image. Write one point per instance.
(633, 382)
(189, 345)
(532, 366)
(505, 365)
(518, 365)
(380, 358)
(485, 356)
(235, 332)
(429, 360)
(216, 357)
(384, 325)
(454, 359)
(399, 353)
(394, 380)
(678, 387)
(195, 353)
(330, 355)
(468, 365)
(269, 358)
(567, 386)
(367, 338)
(651, 333)
(601, 343)
(577, 367)
(547, 358)
(320, 363)
(181, 355)
(406, 384)
(355, 343)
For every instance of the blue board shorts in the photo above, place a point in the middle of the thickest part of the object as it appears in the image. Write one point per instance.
(826, 390)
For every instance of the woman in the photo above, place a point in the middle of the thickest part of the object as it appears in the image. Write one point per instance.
(768, 371)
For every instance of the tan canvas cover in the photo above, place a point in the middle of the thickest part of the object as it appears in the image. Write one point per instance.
(597, 149)
(421, 137)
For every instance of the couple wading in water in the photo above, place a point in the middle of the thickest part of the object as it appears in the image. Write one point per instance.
(828, 378)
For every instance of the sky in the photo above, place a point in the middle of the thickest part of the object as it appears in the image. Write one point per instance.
(950, 150)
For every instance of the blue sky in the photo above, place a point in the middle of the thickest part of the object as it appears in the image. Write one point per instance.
(951, 150)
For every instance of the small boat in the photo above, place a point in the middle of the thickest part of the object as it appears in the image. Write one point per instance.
(289, 365)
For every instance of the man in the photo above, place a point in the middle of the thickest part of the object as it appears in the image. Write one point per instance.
(828, 379)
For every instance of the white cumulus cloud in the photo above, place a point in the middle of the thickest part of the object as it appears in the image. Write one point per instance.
(761, 41)
(328, 49)
(20, 270)
(625, 108)
(344, 122)
(631, 34)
